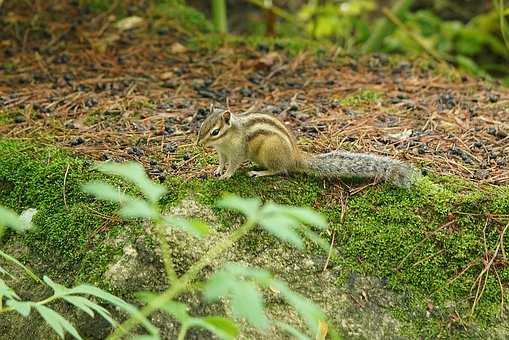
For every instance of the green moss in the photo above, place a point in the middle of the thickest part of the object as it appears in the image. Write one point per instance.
(361, 97)
(7, 117)
(70, 226)
(421, 240)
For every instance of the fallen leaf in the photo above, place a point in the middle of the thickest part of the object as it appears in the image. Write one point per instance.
(178, 48)
(167, 75)
(401, 135)
(103, 44)
(129, 23)
(269, 59)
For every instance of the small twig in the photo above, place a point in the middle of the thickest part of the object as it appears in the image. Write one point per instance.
(65, 180)
(341, 221)
(501, 292)
(422, 241)
(330, 251)
(470, 265)
(485, 273)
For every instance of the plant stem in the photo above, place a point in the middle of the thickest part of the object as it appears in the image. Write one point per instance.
(500, 9)
(42, 302)
(182, 283)
(276, 10)
(219, 15)
(183, 331)
(171, 275)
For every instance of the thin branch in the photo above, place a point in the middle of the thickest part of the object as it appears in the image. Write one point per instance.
(416, 37)
(65, 181)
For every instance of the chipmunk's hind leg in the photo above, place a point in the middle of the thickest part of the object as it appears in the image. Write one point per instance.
(274, 156)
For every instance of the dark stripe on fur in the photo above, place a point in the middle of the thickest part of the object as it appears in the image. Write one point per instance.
(269, 121)
(250, 137)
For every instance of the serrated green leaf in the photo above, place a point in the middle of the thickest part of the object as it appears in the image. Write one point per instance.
(194, 227)
(8, 218)
(21, 307)
(80, 303)
(307, 216)
(247, 302)
(136, 208)
(248, 206)
(7, 291)
(315, 238)
(291, 330)
(134, 173)
(307, 309)
(282, 227)
(57, 288)
(220, 326)
(258, 275)
(177, 309)
(105, 192)
(116, 301)
(56, 321)
(89, 306)
(15, 261)
(218, 285)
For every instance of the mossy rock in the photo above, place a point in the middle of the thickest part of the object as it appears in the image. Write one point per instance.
(396, 273)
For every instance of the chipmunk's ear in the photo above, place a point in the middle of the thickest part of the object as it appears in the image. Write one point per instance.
(227, 115)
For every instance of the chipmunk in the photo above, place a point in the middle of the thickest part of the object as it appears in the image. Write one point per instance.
(266, 141)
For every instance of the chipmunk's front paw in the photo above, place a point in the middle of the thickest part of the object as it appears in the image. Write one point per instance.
(218, 171)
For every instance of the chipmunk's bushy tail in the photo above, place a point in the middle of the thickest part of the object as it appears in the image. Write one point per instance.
(347, 164)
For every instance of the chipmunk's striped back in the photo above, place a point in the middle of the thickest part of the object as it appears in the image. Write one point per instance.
(260, 126)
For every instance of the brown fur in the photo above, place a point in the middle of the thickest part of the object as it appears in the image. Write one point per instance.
(265, 141)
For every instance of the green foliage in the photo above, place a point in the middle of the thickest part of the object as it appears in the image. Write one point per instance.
(75, 296)
(223, 327)
(475, 46)
(281, 221)
(187, 18)
(346, 22)
(361, 97)
(239, 283)
(479, 45)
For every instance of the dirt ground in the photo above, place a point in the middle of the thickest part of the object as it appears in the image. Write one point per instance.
(86, 85)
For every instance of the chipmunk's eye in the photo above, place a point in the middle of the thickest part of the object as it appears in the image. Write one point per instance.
(215, 132)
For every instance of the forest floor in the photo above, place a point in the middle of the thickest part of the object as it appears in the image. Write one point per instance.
(99, 91)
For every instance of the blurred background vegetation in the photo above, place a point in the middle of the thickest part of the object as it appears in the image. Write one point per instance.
(471, 34)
